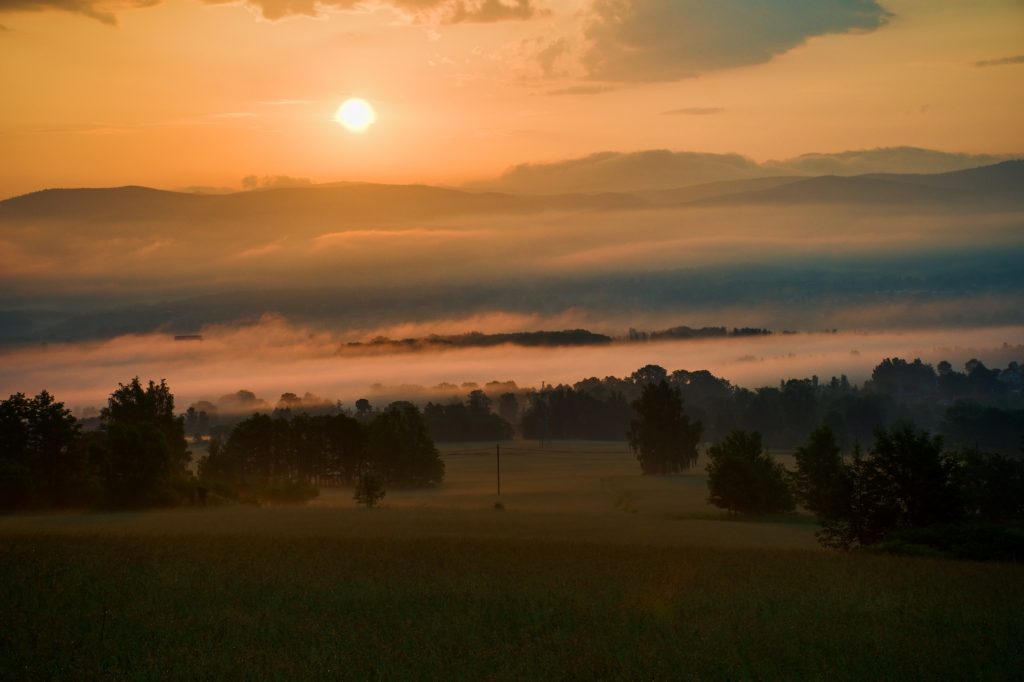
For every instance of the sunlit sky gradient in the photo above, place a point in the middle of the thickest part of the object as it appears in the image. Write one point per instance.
(185, 93)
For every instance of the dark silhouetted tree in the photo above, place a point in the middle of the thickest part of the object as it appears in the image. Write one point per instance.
(400, 448)
(821, 481)
(369, 489)
(661, 435)
(145, 444)
(42, 459)
(742, 477)
(905, 481)
(992, 486)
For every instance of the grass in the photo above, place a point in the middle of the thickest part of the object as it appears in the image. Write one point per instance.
(591, 572)
(207, 607)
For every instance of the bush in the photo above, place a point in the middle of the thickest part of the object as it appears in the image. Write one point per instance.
(369, 489)
(905, 481)
(974, 541)
(743, 478)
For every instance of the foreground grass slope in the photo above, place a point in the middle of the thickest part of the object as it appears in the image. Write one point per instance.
(592, 572)
(266, 607)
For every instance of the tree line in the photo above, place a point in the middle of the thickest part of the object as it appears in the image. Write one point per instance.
(139, 456)
(907, 492)
(977, 407)
(327, 450)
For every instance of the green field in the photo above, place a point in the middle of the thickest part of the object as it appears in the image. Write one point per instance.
(591, 572)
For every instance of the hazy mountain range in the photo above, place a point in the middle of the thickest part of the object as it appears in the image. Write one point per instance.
(988, 186)
(778, 251)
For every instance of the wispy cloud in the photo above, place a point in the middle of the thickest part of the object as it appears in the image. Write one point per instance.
(1003, 61)
(103, 11)
(693, 111)
(581, 90)
(439, 11)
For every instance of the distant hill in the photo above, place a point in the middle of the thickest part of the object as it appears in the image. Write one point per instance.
(997, 186)
(320, 203)
(712, 190)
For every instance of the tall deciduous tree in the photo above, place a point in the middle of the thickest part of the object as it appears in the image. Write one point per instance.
(661, 434)
(905, 481)
(146, 446)
(42, 461)
(401, 449)
(821, 480)
(743, 477)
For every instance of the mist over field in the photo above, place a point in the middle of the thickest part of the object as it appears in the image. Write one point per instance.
(279, 281)
(803, 254)
(275, 356)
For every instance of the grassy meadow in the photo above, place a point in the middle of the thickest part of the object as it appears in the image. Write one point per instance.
(591, 571)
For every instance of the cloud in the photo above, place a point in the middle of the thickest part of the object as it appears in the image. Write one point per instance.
(614, 171)
(882, 160)
(489, 11)
(664, 40)
(1016, 59)
(664, 169)
(581, 90)
(693, 111)
(251, 182)
(100, 10)
(442, 11)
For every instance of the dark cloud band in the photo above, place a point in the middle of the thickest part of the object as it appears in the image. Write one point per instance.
(663, 40)
(445, 11)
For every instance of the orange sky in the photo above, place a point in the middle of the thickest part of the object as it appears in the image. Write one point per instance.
(183, 92)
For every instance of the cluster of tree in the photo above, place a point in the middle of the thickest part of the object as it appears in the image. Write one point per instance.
(311, 450)
(906, 491)
(909, 490)
(979, 406)
(568, 337)
(472, 419)
(207, 418)
(684, 332)
(138, 456)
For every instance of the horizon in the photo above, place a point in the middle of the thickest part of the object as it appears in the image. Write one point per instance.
(873, 161)
(500, 83)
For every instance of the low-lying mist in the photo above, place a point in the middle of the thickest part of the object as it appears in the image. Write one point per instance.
(274, 356)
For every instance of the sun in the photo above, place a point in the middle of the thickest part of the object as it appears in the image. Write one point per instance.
(356, 115)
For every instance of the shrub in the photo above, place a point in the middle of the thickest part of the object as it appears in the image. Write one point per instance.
(742, 477)
(369, 489)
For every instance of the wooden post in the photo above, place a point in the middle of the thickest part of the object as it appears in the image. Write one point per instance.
(497, 454)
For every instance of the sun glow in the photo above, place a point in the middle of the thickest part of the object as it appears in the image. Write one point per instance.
(356, 115)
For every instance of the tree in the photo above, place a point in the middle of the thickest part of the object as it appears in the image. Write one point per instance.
(992, 485)
(821, 481)
(400, 448)
(742, 477)
(369, 489)
(42, 460)
(145, 444)
(508, 407)
(905, 481)
(661, 435)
